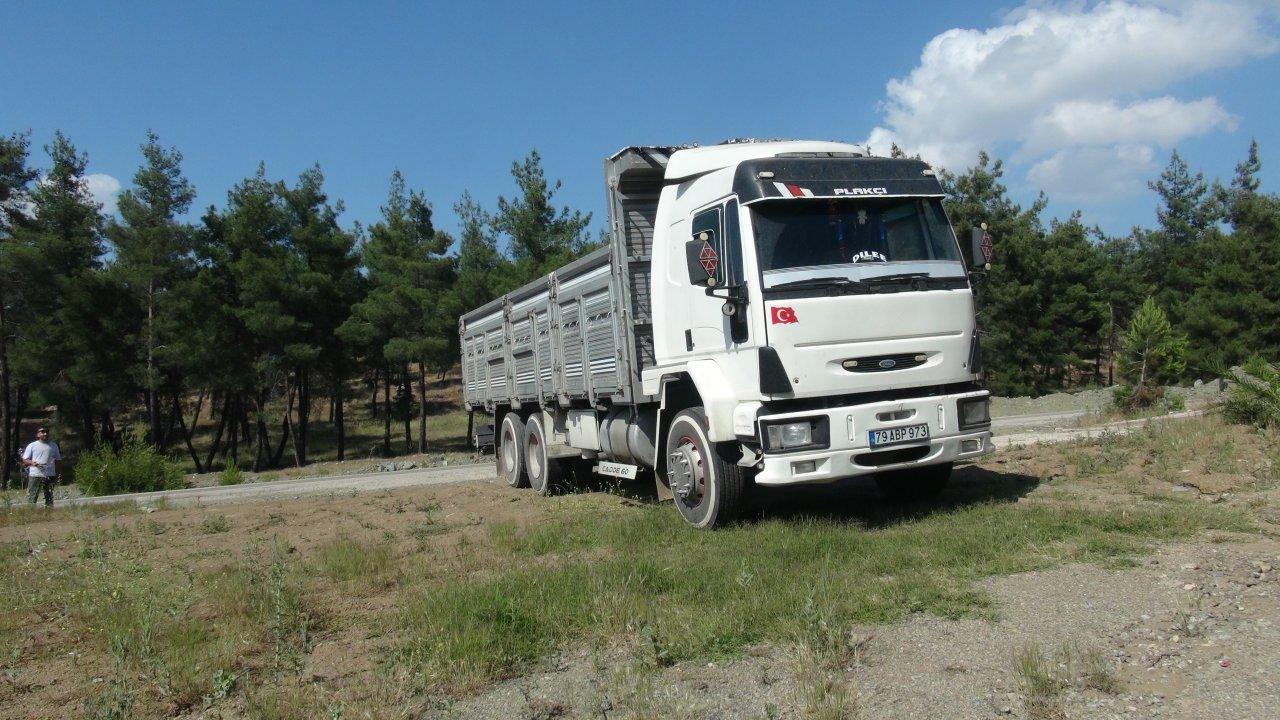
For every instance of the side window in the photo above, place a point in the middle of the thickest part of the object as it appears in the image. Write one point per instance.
(733, 243)
(706, 226)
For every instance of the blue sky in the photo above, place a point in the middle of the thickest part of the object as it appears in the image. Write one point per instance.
(452, 93)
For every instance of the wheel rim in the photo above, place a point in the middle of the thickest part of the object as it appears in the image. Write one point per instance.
(686, 472)
(534, 461)
(509, 450)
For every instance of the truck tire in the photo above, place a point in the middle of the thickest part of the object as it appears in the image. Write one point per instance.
(510, 451)
(914, 483)
(708, 490)
(545, 473)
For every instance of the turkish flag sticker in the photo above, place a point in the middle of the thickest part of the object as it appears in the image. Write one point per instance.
(782, 315)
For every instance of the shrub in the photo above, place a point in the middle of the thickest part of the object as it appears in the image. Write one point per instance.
(231, 474)
(1152, 354)
(1255, 396)
(135, 467)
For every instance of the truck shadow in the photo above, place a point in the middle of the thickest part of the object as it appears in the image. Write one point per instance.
(859, 500)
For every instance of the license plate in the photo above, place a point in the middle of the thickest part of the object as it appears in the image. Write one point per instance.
(893, 436)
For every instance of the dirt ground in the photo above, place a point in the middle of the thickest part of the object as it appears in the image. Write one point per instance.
(1190, 629)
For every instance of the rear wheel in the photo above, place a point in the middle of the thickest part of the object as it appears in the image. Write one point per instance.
(510, 454)
(545, 473)
(708, 490)
(914, 483)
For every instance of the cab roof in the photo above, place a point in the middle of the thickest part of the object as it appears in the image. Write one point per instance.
(691, 162)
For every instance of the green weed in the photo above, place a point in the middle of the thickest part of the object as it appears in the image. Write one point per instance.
(352, 563)
(214, 524)
(231, 474)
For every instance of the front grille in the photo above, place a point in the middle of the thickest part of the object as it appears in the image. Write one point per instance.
(891, 457)
(884, 363)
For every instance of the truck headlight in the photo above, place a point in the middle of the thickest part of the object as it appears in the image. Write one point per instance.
(974, 412)
(805, 433)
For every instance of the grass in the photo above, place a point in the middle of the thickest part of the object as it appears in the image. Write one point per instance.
(448, 608)
(357, 565)
(567, 581)
(25, 515)
(213, 524)
(231, 474)
(1044, 676)
(1161, 455)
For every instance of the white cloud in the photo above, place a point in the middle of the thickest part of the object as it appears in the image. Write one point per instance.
(1161, 121)
(1055, 76)
(104, 189)
(1094, 174)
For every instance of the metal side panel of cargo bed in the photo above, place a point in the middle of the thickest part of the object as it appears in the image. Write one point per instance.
(550, 341)
(584, 332)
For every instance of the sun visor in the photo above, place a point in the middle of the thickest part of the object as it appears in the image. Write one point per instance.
(788, 178)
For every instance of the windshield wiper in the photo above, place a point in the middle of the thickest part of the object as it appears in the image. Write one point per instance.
(829, 281)
(899, 277)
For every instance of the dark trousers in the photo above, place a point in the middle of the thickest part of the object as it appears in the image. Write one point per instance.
(34, 485)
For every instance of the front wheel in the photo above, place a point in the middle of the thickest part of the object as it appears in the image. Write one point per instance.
(914, 483)
(708, 490)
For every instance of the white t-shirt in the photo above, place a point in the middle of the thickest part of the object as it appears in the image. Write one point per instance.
(44, 454)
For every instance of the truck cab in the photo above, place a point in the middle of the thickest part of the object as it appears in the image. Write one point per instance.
(789, 312)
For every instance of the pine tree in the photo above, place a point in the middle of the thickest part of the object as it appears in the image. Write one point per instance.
(56, 256)
(540, 238)
(483, 273)
(153, 253)
(1231, 313)
(1154, 354)
(328, 285)
(409, 317)
(1174, 254)
(15, 183)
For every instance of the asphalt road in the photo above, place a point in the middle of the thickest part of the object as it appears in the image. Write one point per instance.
(364, 482)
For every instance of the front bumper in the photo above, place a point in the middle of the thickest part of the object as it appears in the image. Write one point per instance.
(849, 453)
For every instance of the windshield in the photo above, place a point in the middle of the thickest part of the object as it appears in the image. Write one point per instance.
(807, 233)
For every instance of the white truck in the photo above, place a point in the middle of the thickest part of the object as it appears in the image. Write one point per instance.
(764, 312)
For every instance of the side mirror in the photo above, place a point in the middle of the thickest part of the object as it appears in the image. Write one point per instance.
(980, 249)
(701, 259)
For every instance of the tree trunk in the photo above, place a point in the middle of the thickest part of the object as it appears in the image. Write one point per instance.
(153, 399)
(173, 422)
(20, 409)
(262, 448)
(422, 407)
(408, 416)
(8, 451)
(217, 436)
(186, 436)
(386, 418)
(1111, 345)
(304, 417)
(338, 419)
(299, 448)
(234, 407)
(86, 420)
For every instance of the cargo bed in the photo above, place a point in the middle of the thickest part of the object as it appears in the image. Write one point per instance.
(583, 333)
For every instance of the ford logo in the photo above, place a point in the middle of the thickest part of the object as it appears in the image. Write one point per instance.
(887, 363)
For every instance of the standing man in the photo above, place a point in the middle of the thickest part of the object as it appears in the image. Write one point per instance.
(41, 458)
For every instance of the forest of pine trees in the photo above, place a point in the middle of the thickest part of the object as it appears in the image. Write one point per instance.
(145, 317)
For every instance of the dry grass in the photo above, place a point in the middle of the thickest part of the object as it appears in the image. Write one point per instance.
(423, 602)
(1045, 676)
